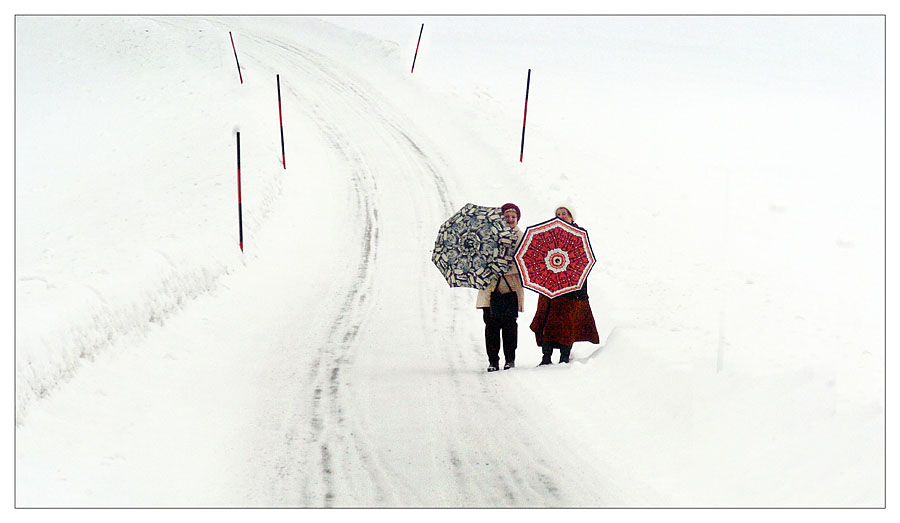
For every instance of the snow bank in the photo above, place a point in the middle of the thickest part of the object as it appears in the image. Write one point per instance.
(126, 203)
(730, 172)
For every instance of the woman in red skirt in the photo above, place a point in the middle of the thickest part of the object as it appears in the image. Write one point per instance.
(559, 322)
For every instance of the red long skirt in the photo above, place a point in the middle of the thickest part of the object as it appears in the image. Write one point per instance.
(564, 321)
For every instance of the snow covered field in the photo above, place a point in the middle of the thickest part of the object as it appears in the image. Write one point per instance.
(730, 171)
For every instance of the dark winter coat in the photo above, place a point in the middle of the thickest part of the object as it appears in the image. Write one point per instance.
(564, 320)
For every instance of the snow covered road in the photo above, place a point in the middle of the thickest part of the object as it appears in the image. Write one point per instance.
(725, 167)
(395, 409)
(332, 370)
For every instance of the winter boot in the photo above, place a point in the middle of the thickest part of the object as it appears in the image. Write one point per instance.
(509, 365)
(547, 351)
(564, 354)
(493, 368)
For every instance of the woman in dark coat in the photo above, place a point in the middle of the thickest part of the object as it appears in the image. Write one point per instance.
(559, 322)
(505, 329)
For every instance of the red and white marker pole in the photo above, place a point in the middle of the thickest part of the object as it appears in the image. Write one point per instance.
(280, 122)
(417, 49)
(236, 58)
(525, 117)
(240, 212)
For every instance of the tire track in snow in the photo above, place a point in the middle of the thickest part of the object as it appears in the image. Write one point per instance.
(337, 440)
(328, 423)
(351, 97)
(332, 438)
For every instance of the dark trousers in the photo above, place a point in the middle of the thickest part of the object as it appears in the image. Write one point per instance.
(494, 330)
(547, 350)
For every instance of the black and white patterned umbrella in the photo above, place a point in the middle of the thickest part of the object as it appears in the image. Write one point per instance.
(474, 247)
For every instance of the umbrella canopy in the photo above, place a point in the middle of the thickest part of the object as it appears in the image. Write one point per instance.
(474, 247)
(555, 257)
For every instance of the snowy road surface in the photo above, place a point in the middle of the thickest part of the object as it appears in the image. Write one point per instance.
(403, 422)
(730, 171)
(335, 400)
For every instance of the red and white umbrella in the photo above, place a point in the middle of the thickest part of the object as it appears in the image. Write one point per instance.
(555, 257)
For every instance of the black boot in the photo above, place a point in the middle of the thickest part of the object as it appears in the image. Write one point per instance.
(564, 354)
(547, 352)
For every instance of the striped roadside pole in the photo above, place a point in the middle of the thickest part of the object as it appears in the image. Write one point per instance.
(525, 117)
(241, 76)
(417, 49)
(240, 211)
(280, 122)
